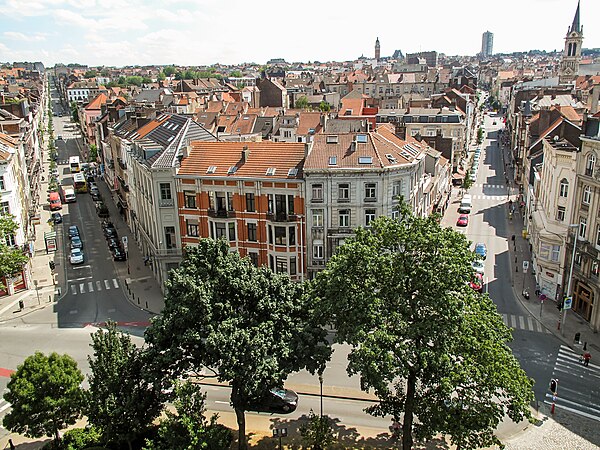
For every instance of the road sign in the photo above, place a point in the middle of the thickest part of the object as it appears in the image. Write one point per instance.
(124, 239)
(568, 303)
(525, 266)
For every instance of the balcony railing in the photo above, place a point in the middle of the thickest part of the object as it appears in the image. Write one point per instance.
(165, 202)
(281, 217)
(220, 213)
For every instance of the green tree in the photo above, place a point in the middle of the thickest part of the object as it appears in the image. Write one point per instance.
(317, 432)
(122, 81)
(122, 402)
(324, 106)
(169, 70)
(74, 112)
(12, 259)
(189, 428)
(479, 135)
(93, 155)
(134, 79)
(45, 396)
(235, 74)
(90, 74)
(433, 350)
(301, 102)
(105, 73)
(251, 327)
(161, 76)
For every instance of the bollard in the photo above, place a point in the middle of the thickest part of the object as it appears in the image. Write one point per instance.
(146, 305)
(577, 337)
(138, 300)
(585, 345)
(21, 305)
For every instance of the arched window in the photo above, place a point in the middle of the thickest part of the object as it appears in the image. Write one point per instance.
(564, 188)
(569, 49)
(587, 195)
(574, 49)
(590, 164)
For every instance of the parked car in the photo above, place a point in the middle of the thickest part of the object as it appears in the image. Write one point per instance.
(114, 243)
(107, 224)
(481, 250)
(102, 210)
(73, 231)
(463, 220)
(478, 266)
(57, 217)
(76, 256)
(110, 233)
(281, 401)
(76, 242)
(96, 197)
(119, 254)
(93, 188)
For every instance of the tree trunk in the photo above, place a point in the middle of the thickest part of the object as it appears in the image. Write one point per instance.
(241, 420)
(407, 422)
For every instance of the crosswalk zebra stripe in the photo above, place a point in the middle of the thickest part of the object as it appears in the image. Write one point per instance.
(505, 319)
(522, 322)
(539, 326)
(98, 286)
(529, 323)
(90, 286)
(6, 405)
(82, 288)
(73, 289)
(116, 285)
(106, 284)
(513, 321)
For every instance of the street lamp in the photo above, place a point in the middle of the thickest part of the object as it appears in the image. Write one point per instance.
(563, 311)
(321, 385)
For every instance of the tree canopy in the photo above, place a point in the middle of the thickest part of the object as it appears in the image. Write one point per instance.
(250, 326)
(45, 396)
(122, 403)
(433, 350)
(301, 102)
(12, 259)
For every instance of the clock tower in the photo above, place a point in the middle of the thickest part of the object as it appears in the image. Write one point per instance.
(569, 63)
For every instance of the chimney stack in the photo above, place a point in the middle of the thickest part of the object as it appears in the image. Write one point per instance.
(245, 154)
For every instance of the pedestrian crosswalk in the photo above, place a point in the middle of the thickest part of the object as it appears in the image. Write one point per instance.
(577, 390)
(525, 323)
(490, 186)
(489, 197)
(84, 287)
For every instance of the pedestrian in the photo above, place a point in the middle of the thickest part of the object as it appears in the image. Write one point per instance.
(586, 358)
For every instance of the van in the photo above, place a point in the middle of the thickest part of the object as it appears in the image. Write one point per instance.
(54, 200)
(465, 204)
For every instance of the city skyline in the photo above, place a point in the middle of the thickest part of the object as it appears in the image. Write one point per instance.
(182, 32)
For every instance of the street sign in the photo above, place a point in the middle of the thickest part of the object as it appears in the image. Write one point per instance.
(525, 266)
(568, 303)
(124, 239)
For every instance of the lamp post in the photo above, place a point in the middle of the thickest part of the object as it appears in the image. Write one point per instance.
(563, 311)
(321, 385)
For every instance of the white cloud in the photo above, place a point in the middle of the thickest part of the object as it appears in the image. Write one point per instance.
(18, 36)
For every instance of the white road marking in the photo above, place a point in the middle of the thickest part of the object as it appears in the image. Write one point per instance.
(73, 289)
(111, 310)
(98, 285)
(521, 322)
(82, 288)
(82, 267)
(80, 279)
(115, 283)
(505, 319)
(539, 327)
(106, 284)
(90, 286)
(73, 311)
(5, 406)
(513, 321)
(530, 323)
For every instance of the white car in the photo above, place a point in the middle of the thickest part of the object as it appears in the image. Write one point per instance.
(478, 266)
(76, 256)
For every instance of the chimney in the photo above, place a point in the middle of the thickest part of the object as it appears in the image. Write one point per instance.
(245, 154)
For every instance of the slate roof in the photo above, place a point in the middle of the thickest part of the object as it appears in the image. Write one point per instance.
(371, 153)
(282, 156)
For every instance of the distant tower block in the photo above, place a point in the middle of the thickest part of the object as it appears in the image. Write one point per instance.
(569, 62)
(377, 50)
(487, 44)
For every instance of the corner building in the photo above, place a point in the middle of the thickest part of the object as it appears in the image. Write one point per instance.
(250, 193)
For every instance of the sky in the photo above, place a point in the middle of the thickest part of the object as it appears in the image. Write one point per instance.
(205, 32)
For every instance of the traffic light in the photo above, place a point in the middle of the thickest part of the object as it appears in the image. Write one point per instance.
(553, 385)
(52, 265)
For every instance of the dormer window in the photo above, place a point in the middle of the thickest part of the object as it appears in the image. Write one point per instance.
(292, 172)
(365, 160)
(270, 171)
(232, 169)
(361, 138)
(211, 169)
(333, 160)
(332, 139)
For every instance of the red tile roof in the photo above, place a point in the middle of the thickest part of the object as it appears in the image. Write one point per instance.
(309, 121)
(97, 102)
(282, 156)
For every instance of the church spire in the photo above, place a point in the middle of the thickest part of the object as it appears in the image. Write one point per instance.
(576, 26)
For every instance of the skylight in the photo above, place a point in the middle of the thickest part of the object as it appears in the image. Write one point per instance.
(333, 160)
(211, 169)
(271, 171)
(232, 169)
(365, 160)
(292, 172)
(332, 139)
(361, 138)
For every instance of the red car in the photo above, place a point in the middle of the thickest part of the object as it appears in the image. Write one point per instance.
(463, 220)
(476, 282)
